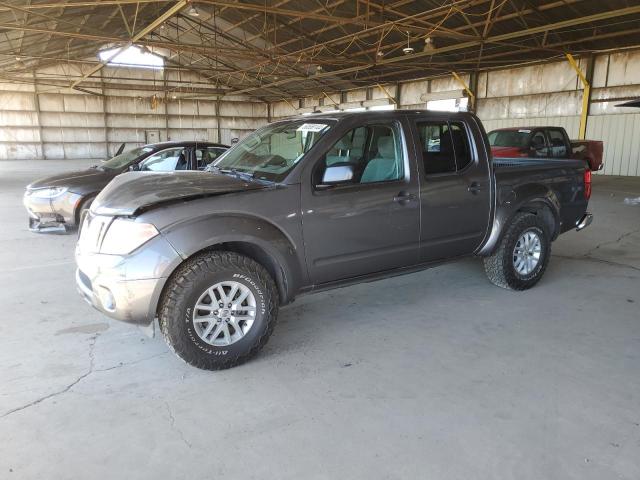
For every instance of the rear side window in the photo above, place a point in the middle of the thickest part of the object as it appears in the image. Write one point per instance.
(444, 145)
(460, 145)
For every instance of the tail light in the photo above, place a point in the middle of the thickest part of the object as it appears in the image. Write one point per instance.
(587, 184)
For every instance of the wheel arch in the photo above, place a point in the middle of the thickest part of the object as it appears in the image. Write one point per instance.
(255, 238)
(542, 202)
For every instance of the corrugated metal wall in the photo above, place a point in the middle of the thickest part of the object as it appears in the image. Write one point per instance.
(37, 123)
(75, 125)
(621, 136)
(544, 94)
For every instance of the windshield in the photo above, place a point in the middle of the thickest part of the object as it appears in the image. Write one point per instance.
(509, 138)
(271, 152)
(125, 158)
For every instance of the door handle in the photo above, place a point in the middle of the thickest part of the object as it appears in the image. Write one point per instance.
(474, 188)
(404, 197)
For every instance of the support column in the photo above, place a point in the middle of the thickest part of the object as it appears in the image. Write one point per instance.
(585, 79)
(36, 103)
(467, 89)
(218, 120)
(166, 106)
(105, 119)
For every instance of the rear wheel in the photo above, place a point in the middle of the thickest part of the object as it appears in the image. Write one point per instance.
(218, 310)
(523, 254)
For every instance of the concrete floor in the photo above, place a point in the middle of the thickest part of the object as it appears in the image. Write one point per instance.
(436, 375)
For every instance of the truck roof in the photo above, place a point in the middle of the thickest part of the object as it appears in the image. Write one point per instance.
(515, 129)
(380, 114)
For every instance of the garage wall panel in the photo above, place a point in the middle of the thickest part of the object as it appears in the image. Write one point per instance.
(620, 134)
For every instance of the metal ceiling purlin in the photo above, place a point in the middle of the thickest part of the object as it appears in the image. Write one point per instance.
(257, 41)
(463, 45)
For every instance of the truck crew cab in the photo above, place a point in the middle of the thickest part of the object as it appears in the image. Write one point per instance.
(312, 203)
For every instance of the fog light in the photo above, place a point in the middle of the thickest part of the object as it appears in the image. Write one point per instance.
(106, 299)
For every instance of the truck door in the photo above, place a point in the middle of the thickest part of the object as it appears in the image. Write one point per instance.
(455, 188)
(360, 208)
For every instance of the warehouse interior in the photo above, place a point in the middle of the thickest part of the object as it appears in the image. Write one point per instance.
(437, 374)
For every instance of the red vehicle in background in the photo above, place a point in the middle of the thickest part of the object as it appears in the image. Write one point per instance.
(544, 142)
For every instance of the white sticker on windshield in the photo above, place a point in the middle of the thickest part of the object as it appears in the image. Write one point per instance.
(524, 131)
(312, 127)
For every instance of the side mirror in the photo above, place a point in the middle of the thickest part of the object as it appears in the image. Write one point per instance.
(336, 174)
(134, 168)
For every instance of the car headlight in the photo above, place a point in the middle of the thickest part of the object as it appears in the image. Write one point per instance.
(52, 192)
(124, 236)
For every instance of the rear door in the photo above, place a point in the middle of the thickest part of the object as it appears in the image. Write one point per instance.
(455, 188)
(367, 223)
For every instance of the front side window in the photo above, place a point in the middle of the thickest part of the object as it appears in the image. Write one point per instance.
(271, 152)
(445, 146)
(166, 160)
(366, 154)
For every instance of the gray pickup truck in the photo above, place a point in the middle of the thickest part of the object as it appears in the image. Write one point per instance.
(312, 203)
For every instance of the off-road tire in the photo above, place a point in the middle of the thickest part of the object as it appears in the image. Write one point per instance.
(180, 295)
(500, 267)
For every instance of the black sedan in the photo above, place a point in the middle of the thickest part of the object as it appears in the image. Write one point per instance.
(56, 203)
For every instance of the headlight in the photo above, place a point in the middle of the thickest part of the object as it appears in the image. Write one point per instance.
(124, 236)
(47, 192)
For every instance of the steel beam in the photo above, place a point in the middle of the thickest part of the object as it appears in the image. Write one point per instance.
(586, 95)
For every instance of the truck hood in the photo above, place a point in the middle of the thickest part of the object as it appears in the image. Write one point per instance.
(76, 181)
(132, 192)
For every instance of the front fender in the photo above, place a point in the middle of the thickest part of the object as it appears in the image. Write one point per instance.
(511, 200)
(216, 230)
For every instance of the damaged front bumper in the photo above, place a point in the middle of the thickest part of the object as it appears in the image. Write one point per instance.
(55, 214)
(126, 287)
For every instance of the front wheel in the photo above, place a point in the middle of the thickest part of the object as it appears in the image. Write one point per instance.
(218, 310)
(522, 256)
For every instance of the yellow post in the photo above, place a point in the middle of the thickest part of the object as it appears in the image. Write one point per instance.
(472, 97)
(386, 92)
(585, 96)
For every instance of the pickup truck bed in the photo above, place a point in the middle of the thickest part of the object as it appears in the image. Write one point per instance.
(545, 142)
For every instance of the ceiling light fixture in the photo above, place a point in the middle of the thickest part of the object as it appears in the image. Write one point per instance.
(193, 11)
(408, 50)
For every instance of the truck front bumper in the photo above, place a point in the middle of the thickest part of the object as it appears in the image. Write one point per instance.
(126, 287)
(51, 214)
(584, 221)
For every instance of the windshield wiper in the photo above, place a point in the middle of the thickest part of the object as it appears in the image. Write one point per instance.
(233, 171)
(242, 174)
